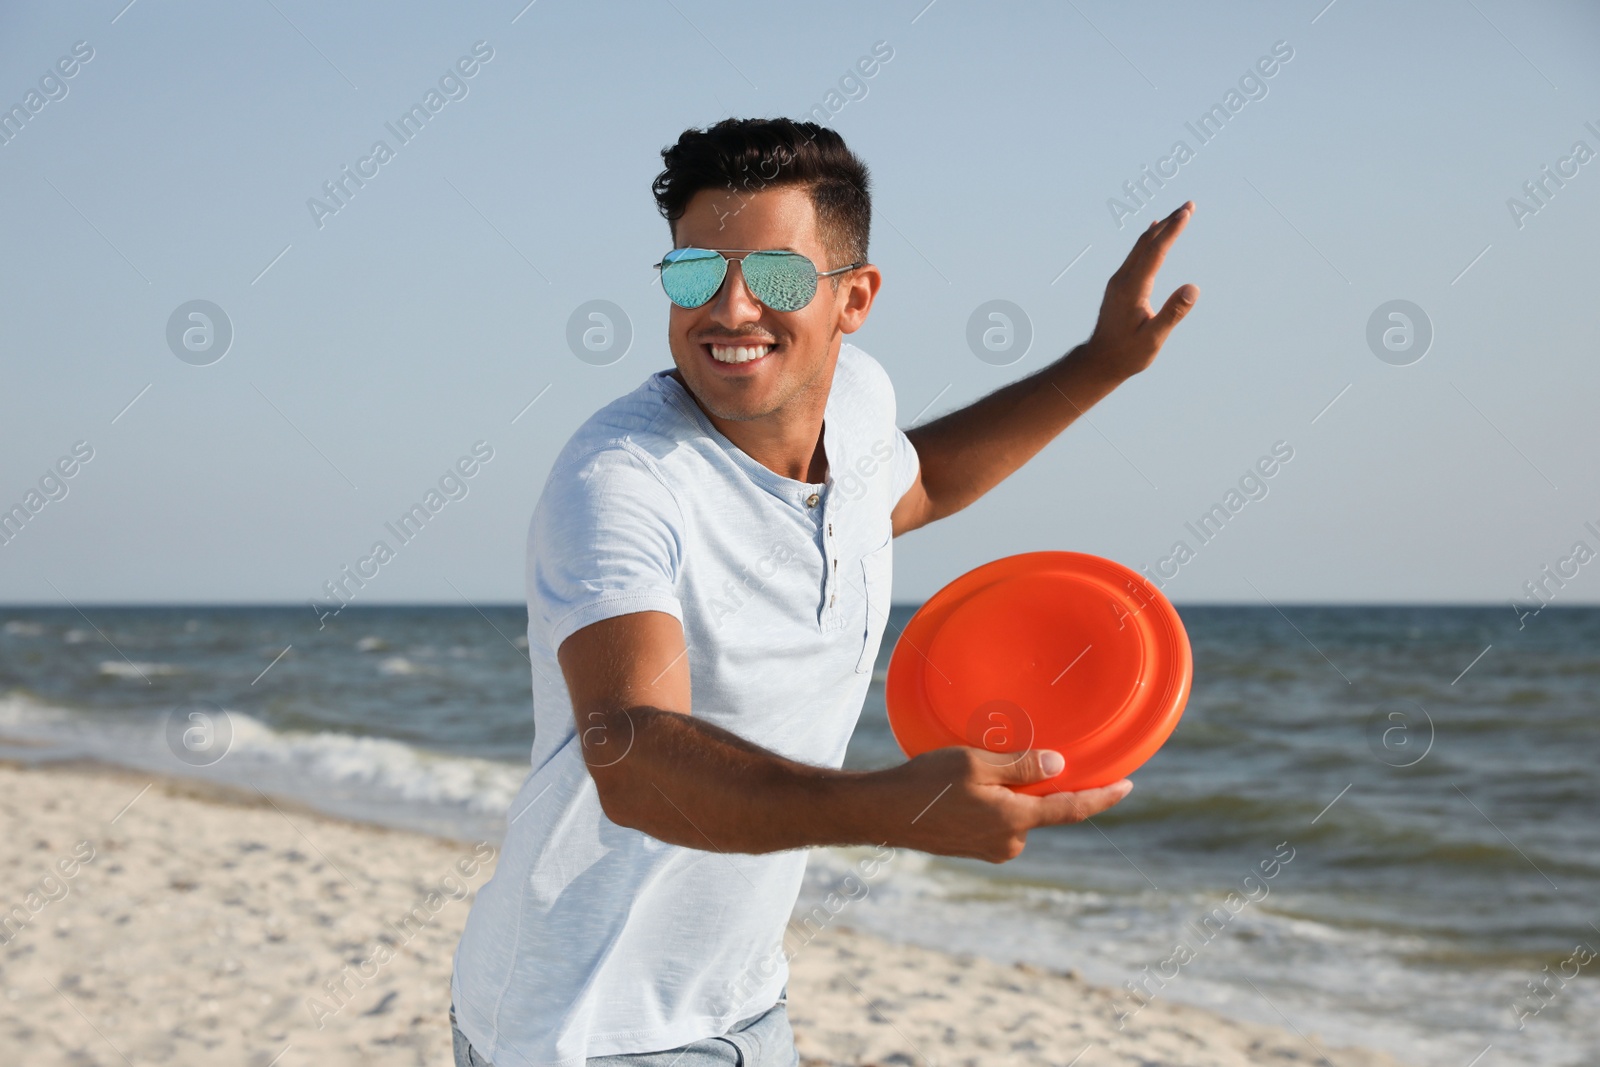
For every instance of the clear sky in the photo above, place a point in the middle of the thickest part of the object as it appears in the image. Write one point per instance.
(374, 345)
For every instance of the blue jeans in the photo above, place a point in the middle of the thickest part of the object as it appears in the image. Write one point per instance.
(763, 1040)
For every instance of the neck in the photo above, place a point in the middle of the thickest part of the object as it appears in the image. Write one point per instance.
(788, 442)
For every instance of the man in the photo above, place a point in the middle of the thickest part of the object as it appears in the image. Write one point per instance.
(728, 524)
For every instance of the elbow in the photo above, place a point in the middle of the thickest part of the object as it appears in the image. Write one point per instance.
(634, 802)
(616, 787)
(616, 783)
(619, 760)
(914, 510)
(617, 796)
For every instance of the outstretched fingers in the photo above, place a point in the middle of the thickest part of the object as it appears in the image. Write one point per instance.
(1150, 251)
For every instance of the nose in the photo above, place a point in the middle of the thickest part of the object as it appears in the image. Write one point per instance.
(733, 305)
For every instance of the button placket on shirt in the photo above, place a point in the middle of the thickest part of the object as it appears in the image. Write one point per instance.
(833, 569)
(830, 549)
(824, 520)
(830, 560)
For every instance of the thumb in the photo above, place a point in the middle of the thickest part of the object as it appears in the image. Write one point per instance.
(1032, 765)
(1177, 306)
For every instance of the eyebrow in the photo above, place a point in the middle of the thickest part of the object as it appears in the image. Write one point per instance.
(780, 248)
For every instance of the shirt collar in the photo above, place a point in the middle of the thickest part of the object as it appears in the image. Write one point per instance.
(789, 488)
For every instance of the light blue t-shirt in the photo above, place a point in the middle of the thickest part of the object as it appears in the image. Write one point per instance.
(593, 939)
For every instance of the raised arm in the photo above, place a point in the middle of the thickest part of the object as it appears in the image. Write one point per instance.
(688, 782)
(968, 452)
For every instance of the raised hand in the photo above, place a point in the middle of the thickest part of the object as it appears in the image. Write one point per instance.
(1128, 334)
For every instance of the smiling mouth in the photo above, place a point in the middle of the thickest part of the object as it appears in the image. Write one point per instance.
(738, 354)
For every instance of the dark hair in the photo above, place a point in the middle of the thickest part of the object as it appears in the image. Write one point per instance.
(748, 155)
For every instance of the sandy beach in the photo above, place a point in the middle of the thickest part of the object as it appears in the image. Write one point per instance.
(154, 921)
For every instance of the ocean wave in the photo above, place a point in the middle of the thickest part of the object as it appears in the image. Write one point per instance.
(21, 712)
(350, 775)
(1356, 984)
(382, 766)
(113, 668)
(401, 666)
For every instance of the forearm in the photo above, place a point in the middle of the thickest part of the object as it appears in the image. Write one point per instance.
(689, 782)
(967, 452)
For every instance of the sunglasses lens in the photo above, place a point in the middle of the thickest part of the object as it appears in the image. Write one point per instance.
(783, 281)
(692, 276)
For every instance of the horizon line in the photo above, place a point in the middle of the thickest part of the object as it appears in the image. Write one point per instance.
(380, 605)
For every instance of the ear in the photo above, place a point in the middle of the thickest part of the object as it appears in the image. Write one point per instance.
(856, 294)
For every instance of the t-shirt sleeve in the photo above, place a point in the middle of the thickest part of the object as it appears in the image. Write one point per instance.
(604, 541)
(906, 464)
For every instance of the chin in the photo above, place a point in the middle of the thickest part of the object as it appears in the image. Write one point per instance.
(739, 413)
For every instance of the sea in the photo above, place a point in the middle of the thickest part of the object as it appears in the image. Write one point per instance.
(1373, 825)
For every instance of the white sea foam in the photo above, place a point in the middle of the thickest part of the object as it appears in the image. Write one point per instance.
(400, 665)
(1354, 985)
(368, 778)
(118, 668)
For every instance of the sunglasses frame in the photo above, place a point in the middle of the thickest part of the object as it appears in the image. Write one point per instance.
(662, 264)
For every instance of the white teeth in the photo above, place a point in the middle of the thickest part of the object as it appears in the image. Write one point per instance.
(740, 354)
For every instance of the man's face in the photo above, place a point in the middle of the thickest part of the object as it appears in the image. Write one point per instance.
(798, 348)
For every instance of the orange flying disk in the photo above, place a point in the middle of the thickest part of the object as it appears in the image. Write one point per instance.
(1058, 650)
